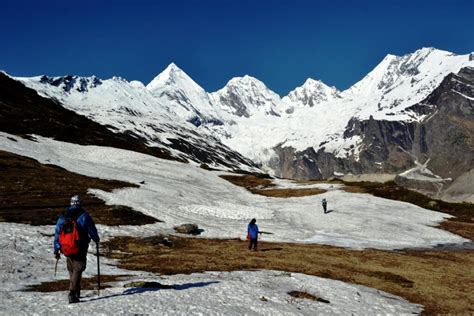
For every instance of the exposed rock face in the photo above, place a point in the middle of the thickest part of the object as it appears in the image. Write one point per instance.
(309, 164)
(445, 136)
(386, 144)
(429, 188)
(461, 189)
(422, 180)
(444, 139)
(449, 132)
(69, 82)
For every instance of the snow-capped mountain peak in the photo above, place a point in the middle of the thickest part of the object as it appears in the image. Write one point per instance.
(398, 82)
(184, 96)
(172, 75)
(245, 96)
(311, 93)
(247, 80)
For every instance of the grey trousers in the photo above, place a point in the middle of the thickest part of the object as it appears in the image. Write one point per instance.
(75, 267)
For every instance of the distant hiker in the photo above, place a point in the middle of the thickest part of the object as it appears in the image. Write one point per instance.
(252, 234)
(324, 203)
(74, 231)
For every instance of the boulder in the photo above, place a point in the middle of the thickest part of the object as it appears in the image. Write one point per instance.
(191, 229)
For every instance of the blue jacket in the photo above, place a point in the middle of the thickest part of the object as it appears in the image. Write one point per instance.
(252, 231)
(85, 225)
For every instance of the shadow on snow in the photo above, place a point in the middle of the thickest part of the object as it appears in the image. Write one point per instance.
(138, 290)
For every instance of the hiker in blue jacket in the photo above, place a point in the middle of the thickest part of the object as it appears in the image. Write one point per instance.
(76, 263)
(252, 233)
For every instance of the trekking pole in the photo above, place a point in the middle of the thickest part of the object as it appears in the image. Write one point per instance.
(56, 267)
(98, 270)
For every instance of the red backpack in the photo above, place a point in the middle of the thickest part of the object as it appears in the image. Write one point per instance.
(69, 237)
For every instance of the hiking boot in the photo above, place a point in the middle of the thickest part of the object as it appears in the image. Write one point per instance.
(73, 297)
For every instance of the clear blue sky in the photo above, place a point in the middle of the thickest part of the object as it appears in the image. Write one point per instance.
(280, 42)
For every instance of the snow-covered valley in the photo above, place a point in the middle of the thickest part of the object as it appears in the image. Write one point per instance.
(177, 194)
(180, 193)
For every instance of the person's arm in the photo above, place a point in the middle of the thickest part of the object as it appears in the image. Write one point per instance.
(91, 229)
(57, 245)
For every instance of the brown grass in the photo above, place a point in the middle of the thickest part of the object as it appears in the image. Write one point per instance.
(262, 186)
(249, 181)
(460, 228)
(35, 194)
(443, 281)
(286, 193)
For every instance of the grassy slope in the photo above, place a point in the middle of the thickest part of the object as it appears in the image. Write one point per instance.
(440, 280)
(33, 193)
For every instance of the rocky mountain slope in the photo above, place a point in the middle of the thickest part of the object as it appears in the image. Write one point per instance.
(113, 112)
(442, 140)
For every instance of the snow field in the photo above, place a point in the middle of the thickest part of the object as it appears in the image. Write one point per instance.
(220, 293)
(27, 259)
(180, 193)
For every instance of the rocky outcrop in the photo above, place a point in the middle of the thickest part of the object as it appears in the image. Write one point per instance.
(445, 136)
(386, 144)
(310, 164)
(422, 180)
(191, 229)
(461, 190)
(449, 132)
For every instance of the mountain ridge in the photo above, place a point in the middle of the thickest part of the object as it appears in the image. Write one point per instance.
(248, 117)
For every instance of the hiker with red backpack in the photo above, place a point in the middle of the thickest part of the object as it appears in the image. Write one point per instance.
(74, 231)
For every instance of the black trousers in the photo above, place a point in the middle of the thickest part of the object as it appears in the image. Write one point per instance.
(253, 242)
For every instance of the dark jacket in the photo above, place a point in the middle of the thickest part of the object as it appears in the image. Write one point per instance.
(85, 226)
